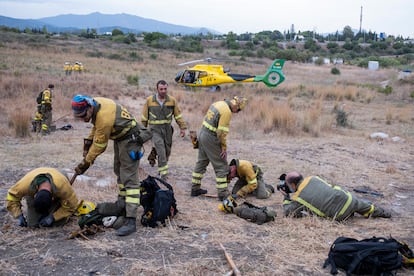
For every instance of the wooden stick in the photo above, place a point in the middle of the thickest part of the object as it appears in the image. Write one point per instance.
(73, 178)
(207, 195)
(236, 271)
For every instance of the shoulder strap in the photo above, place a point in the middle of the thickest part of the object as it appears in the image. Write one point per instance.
(169, 187)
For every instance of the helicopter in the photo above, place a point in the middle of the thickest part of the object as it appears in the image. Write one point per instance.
(212, 75)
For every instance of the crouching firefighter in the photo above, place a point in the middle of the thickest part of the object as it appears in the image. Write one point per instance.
(49, 196)
(250, 179)
(113, 121)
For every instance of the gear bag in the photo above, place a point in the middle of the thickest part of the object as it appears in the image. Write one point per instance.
(158, 204)
(39, 98)
(254, 213)
(90, 218)
(374, 256)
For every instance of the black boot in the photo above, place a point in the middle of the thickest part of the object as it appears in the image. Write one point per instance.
(128, 228)
(198, 192)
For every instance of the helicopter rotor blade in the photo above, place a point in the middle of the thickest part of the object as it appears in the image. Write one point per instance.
(208, 60)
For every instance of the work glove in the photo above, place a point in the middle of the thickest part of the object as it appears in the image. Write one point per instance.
(87, 143)
(82, 167)
(22, 221)
(46, 221)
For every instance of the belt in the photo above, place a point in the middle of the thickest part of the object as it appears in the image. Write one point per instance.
(133, 135)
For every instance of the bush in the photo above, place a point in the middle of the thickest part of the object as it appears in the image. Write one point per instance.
(385, 90)
(341, 118)
(133, 80)
(335, 71)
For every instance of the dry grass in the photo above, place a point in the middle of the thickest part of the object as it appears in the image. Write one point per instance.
(290, 127)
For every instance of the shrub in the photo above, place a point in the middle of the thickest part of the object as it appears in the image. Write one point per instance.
(335, 71)
(385, 90)
(341, 118)
(133, 80)
(20, 124)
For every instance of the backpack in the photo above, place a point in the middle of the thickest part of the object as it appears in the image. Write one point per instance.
(90, 218)
(158, 203)
(374, 256)
(39, 98)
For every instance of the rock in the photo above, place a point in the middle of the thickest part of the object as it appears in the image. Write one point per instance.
(379, 136)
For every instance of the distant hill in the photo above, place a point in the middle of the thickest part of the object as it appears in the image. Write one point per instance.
(102, 23)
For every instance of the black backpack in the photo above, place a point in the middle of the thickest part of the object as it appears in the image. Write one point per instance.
(90, 218)
(374, 256)
(158, 204)
(39, 98)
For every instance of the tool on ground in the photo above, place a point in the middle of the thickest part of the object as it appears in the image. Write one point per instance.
(234, 269)
(87, 231)
(368, 192)
(60, 118)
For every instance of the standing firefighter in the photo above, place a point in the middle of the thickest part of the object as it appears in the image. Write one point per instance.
(49, 196)
(67, 67)
(112, 121)
(212, 145)
(158, 112)
(250, 179)
(44, 111)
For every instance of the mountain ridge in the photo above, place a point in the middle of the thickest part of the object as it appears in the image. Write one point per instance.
(103, 23)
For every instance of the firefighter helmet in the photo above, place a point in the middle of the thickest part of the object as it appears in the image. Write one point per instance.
(240, 102)
(85, 207)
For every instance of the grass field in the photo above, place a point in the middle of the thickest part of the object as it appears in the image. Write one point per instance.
(296, 126)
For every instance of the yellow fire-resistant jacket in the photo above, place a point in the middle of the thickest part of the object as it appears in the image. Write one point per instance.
(247, 173)
(67, 67)
(61, 190)
(154, 114)
(218, 119)
(110, 121)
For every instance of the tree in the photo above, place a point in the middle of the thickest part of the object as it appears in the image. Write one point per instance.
(116, 32)
(348, 33)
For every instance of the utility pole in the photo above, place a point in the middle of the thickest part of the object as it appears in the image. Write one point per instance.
(360, 21)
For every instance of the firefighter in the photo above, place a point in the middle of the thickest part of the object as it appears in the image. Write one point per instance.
(113, 121)
(46, 109)
(158, 112)
(250, 180)
(49, 196)
(78, 67)
(37, 122)
(68, 68)
(212, 145)
(313, 195)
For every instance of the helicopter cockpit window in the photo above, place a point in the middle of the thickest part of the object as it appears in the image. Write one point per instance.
(179, 76)
(202, 74)
(188, 77)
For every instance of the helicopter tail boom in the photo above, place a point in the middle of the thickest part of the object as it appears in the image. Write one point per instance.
(274, 75)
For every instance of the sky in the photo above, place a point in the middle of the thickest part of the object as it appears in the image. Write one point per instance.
(393, 17)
